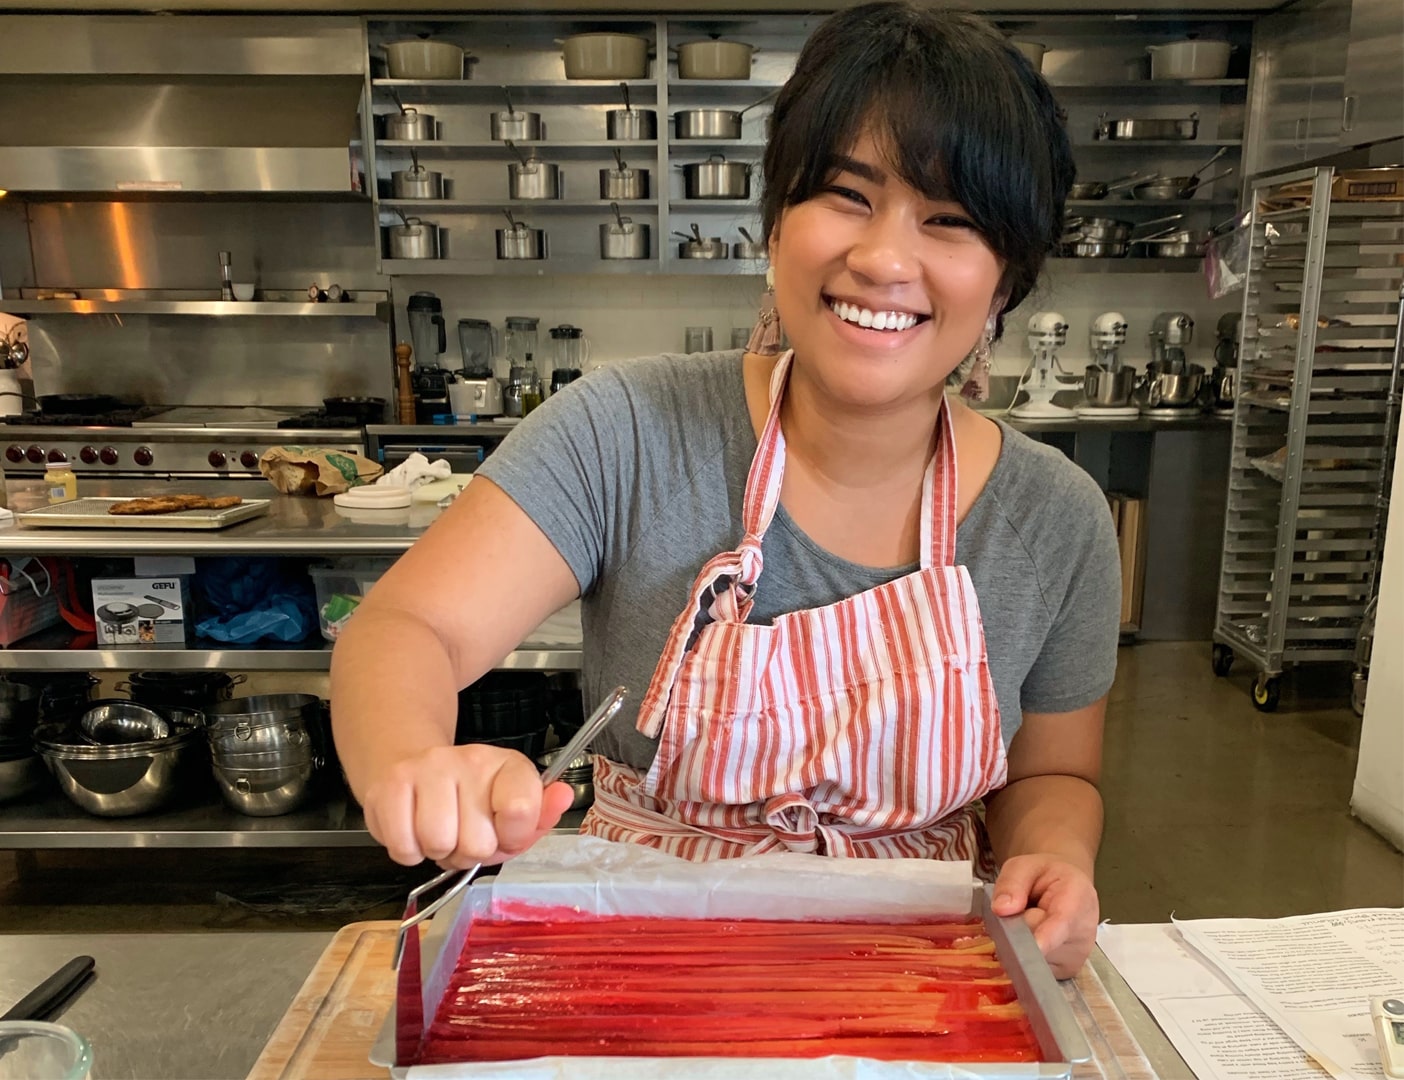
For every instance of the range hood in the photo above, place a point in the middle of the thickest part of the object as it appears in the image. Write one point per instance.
(127, 105)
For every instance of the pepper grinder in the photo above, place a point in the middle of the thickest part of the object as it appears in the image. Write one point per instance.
(226, 277)
(404, 404)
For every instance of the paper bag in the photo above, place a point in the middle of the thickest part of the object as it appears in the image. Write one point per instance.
(301, 470)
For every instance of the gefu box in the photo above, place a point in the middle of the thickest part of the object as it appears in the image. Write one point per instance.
(141, 611)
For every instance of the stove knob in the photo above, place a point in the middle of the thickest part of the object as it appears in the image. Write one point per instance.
(14, 453)
(142, 455)
(35, 454)
(88, 455)
(248, 459)
(108, 455)
(217, 458)
(57, 455)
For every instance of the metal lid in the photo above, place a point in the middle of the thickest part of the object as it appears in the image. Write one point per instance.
(476, 324)
(565, 330)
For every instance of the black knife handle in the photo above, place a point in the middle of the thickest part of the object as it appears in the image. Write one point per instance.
(54, 992)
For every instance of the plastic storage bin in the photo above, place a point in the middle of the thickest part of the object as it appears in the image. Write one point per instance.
(340, 590)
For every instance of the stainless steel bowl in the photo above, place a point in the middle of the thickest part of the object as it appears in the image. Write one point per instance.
(20, 777)
(1165, 390)
(262, 709)
(1108, 389)
(247, 738)
(119, 722)
(268, 759)
(265, 792)
(121, 783)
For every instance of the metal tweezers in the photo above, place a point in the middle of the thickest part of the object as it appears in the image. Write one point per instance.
(592, 727)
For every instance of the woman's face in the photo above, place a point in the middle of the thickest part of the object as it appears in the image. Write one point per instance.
(881, 290)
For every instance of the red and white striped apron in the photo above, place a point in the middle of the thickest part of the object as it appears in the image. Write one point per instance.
(864, 728)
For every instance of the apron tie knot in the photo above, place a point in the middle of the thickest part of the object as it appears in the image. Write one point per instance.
(794, 822)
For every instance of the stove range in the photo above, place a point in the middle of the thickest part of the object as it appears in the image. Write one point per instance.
(161, 441)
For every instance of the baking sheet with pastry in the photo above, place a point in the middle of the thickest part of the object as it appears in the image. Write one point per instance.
(599, 878)
(92, 513)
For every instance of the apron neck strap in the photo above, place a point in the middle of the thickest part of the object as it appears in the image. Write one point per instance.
(938, 494)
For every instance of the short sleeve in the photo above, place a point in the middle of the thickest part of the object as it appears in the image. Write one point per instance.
(1077, 662)
(562, 466)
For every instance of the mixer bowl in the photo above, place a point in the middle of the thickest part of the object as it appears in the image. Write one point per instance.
(1171, 391)
(1108, 388)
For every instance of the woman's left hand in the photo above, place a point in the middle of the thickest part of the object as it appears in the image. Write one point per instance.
(1059, 903)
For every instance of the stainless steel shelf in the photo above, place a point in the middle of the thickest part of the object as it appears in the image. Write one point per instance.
(1128, 265)
(51, 821)
(218, 308)
(499, 150)
(1147, 204)
(697, 147)
(526, 205)
(576, 264)
(1188, 145)
(526, 92)
(52, 650)
(1167, 87)
(711, 267)
(682, 206)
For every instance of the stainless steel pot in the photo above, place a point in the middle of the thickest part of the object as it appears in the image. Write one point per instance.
(507, 126)
(1097, 230)
(1131, 128)
(417, 182)
(520, 241)
(1099, 189)
(714, 60)
(1168, 188)
(623, 238)
(717, 178)
(409, 125)
(413, 239)
(749, 248)
(419, 59)
(623, 183)
(695, 247)
(1105, 388)
(514, 125)
(605, 56)
(532, 178)
(261, 709)
(1095, 249)
(630, 124)
(711, 124)
(1190, 59)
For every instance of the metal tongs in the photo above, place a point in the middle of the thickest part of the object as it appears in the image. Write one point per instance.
(573, 749)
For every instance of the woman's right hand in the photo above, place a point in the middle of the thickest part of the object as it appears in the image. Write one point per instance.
(461, 805)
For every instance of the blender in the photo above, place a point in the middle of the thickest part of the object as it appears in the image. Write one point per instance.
(569, 350)
(475, 391)
(519, 341)
(1048, 332)
(1223, 381)
(1107, 383)
(427, 336)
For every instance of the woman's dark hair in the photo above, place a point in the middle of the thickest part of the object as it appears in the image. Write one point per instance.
(960, 112)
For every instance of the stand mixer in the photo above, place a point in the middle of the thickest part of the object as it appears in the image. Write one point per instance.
(1173, 385)
(1108, 384)
(1224, 378)
(1048, 332)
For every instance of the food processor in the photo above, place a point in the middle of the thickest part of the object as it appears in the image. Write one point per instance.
(1107, 384)
(1048, 332)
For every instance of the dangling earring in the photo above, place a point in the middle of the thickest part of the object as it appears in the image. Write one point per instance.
(977, 383)
(765, 336)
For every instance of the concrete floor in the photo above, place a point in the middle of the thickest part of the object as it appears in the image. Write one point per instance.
(1213, 809)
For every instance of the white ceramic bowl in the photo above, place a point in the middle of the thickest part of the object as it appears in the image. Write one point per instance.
(243, 290)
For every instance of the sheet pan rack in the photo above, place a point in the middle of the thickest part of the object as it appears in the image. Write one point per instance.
(1314, 428)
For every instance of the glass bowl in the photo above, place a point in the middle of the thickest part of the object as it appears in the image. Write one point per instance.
(30, 1050)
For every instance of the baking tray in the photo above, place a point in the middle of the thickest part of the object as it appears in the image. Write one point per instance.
(91, 513)
(1055, 1027)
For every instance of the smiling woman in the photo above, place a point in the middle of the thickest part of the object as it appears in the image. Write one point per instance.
(865, 621)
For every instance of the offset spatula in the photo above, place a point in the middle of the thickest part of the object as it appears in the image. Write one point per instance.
(592, 727)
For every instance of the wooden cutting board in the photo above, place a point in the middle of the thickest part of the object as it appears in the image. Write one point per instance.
(329, 1029)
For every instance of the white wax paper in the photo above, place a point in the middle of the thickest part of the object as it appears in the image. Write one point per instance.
(602, 878)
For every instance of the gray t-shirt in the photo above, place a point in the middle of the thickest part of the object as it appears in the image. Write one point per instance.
(636, 475)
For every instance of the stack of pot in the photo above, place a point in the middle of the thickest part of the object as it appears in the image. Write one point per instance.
(21, 770)
(265, 751)
(195, 690)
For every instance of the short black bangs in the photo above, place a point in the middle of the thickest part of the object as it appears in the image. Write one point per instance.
(954, 109)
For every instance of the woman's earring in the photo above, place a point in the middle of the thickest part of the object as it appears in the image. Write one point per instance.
(977, 383)
(765, 336)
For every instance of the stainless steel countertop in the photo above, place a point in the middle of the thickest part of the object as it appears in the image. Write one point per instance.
(170, 1006)
(202, 1006)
